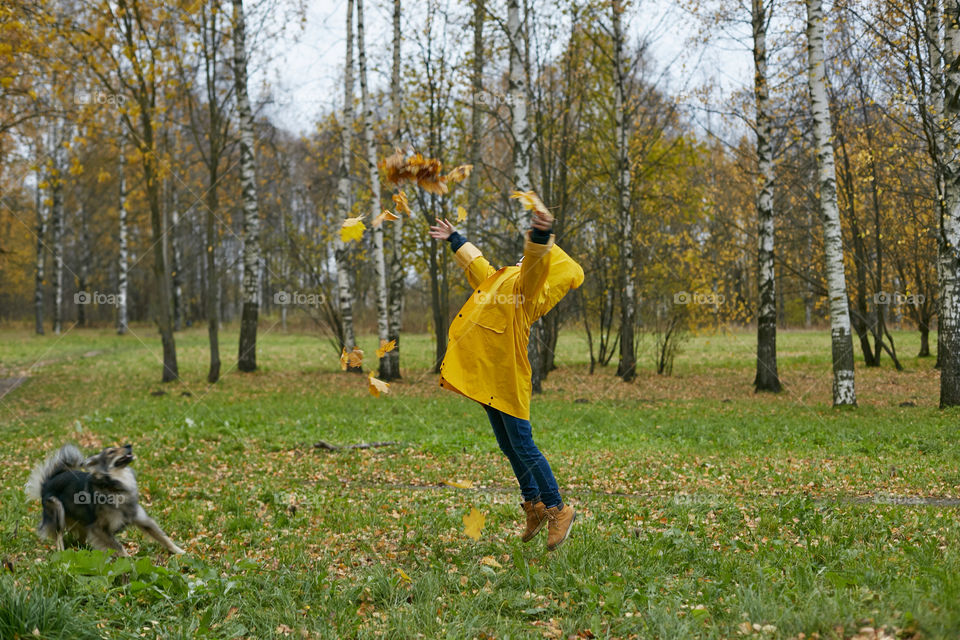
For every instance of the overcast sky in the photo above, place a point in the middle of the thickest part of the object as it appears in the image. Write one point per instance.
(305, 69)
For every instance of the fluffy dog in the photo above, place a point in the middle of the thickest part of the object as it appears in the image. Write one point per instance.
(93, 504)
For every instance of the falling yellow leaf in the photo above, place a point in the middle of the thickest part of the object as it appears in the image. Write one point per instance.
(353, 359)
(490, 561)
(461, 214)
(352, 229)
(460, 173)
(473, 523)
(530, 200)
(386, 215)
(459, 484)
(401, 203)
(376, 387)
(403, 575)
(386, 347)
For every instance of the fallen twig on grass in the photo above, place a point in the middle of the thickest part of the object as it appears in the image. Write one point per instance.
(364, 445)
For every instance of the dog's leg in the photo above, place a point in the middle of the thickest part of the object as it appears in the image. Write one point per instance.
(53, 523)
(152, 529)
(99, 539)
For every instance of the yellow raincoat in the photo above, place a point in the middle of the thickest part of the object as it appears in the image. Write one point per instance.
(486, 357)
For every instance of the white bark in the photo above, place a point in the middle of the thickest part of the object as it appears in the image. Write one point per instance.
(251, 219)
(344, 288)
(55, 178)
(396, 292)
(517, 95)
(844, 390)
(520, 130)
(123, 258)
(949, 253)
(41, 255)
(379, 263)
(627, 367)
(766, 378)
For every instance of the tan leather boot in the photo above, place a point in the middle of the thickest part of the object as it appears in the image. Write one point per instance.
(559, 525)
(536, 518)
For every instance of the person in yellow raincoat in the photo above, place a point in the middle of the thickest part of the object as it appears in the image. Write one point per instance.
(486, 358)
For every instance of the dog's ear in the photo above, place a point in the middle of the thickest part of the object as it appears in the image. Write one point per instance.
(128, 447)
(92, 460)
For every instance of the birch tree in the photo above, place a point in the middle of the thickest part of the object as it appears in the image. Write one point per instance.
(627, 367)
(379, 263)
(123, 260)
(844, 390)
(41, 233)
(247, 359)
(476, 86)
(766, 377)
(949, 254)
(520, 132)
(390, 363)
(56, 168)
(341, 255)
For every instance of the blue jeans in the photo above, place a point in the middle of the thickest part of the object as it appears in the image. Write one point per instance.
(533, 472)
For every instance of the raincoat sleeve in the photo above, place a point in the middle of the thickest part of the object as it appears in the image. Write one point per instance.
(533, 272)
(472, 261)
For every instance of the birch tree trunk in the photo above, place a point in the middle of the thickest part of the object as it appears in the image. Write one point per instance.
(935, 60)
(949, 254)
(390, 363)
(379, 263)
(627, 367)
(83, 271)
(40, 277)
(55, 180)
(122, 257)
(476, 81)
(247, 359)
(766, 378)
(844, 390)
(175, 260)
(341, 253)
(520, 130)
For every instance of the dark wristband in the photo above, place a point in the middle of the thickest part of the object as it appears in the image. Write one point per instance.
(456, 241)
(540, 236)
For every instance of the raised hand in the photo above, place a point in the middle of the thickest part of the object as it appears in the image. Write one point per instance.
(442, 230)
(542, 220)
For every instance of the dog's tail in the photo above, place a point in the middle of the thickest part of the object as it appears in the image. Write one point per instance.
(66, 458)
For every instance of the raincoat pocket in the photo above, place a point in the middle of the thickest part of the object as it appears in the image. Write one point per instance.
(490, 316)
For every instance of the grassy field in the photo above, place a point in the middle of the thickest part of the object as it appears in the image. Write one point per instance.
(706, 511)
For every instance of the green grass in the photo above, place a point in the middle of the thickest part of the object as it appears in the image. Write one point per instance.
(703, 506)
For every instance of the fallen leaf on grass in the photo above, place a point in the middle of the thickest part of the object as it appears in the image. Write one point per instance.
(459, 484)
(490, 561)
(403, 575)
(473, 523)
